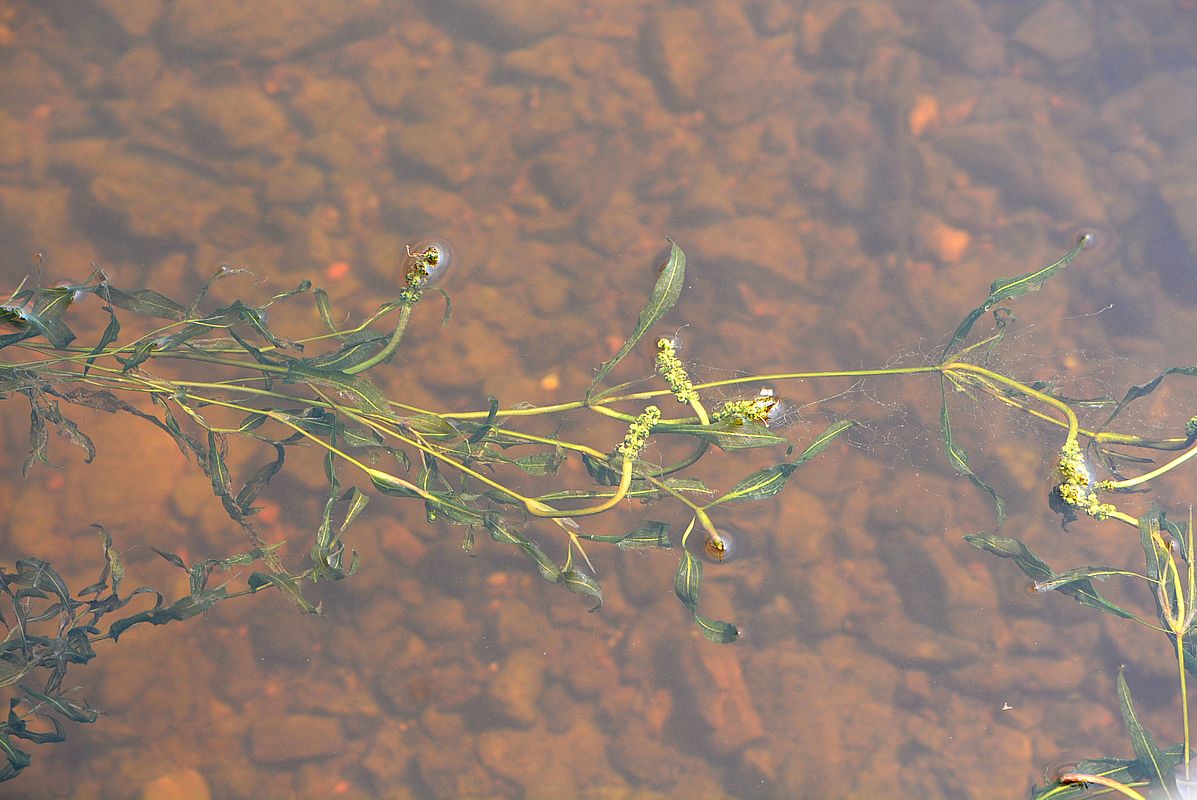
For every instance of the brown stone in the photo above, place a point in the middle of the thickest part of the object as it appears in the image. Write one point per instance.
(187, 784)
(292, 737)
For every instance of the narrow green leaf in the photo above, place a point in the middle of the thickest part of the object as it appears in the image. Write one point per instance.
(52, 301)
(171, 557)
(759, 485)
(324, 307)
(687, 581)
(1035, 568)
(728, 434)
(489, 423)
(958, 458)
(72, 711)
(17, 727)
(285, 584)
(664, 296)
(254, 486)
(357, 503)
(1150, 756)
(145, 302)
(820, 442)
(38, 574)
(539, 464)
(600, 472)
(17, 757)
(218, 471)
(548, 570)
(358, 348)
(1009, 288)
(54, 329)
(356, 391)
(183, 608)
(650, 534)
(499, 530)
(1076, 575)
(390, 485)
(580, 583)
(717, 631)
(110, 334)
(430, 425)
(1135, 392)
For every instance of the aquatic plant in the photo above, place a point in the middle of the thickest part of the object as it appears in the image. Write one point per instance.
(206, 376)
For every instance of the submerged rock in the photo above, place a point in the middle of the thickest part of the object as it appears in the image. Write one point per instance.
(270, 29)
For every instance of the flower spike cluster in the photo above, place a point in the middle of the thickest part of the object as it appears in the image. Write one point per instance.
(674, 372)
(1076, 487)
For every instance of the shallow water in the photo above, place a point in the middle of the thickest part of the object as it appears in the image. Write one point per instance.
(846, 178)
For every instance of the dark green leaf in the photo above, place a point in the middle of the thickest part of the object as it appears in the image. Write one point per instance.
(820, 442)
(324, 307)
(664, 296)
(1150, 756)
(486, 426)
(729, 434)
(38, 574)
(580, 583)
(17, 727)
(53, 328)
(111, 332)
(759, 485)
(1007, 289)
(958, 458)
(548, 570)
(716, 631)
(17, 757)
(650, 534)
(1135, 392)
(171, 557)
(392, 486)
(430, 425)
(601, 472)
(214, 465)
(72, 711)
(285, 584)
(357, 503)
(539, 464)
(183, 608)
(254, 486)
(52, 301)
(1035, 568)
(358, 348)
(355, 391)
(500, 531)
(1076, 575)
(687, 581)
(145, 302)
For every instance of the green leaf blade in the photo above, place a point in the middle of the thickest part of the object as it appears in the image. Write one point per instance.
(687, 581)
(1149, 755)
(663, 298)
(579, 582)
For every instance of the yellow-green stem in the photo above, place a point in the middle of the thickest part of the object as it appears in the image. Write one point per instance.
(1155, 473)
(386, 352)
